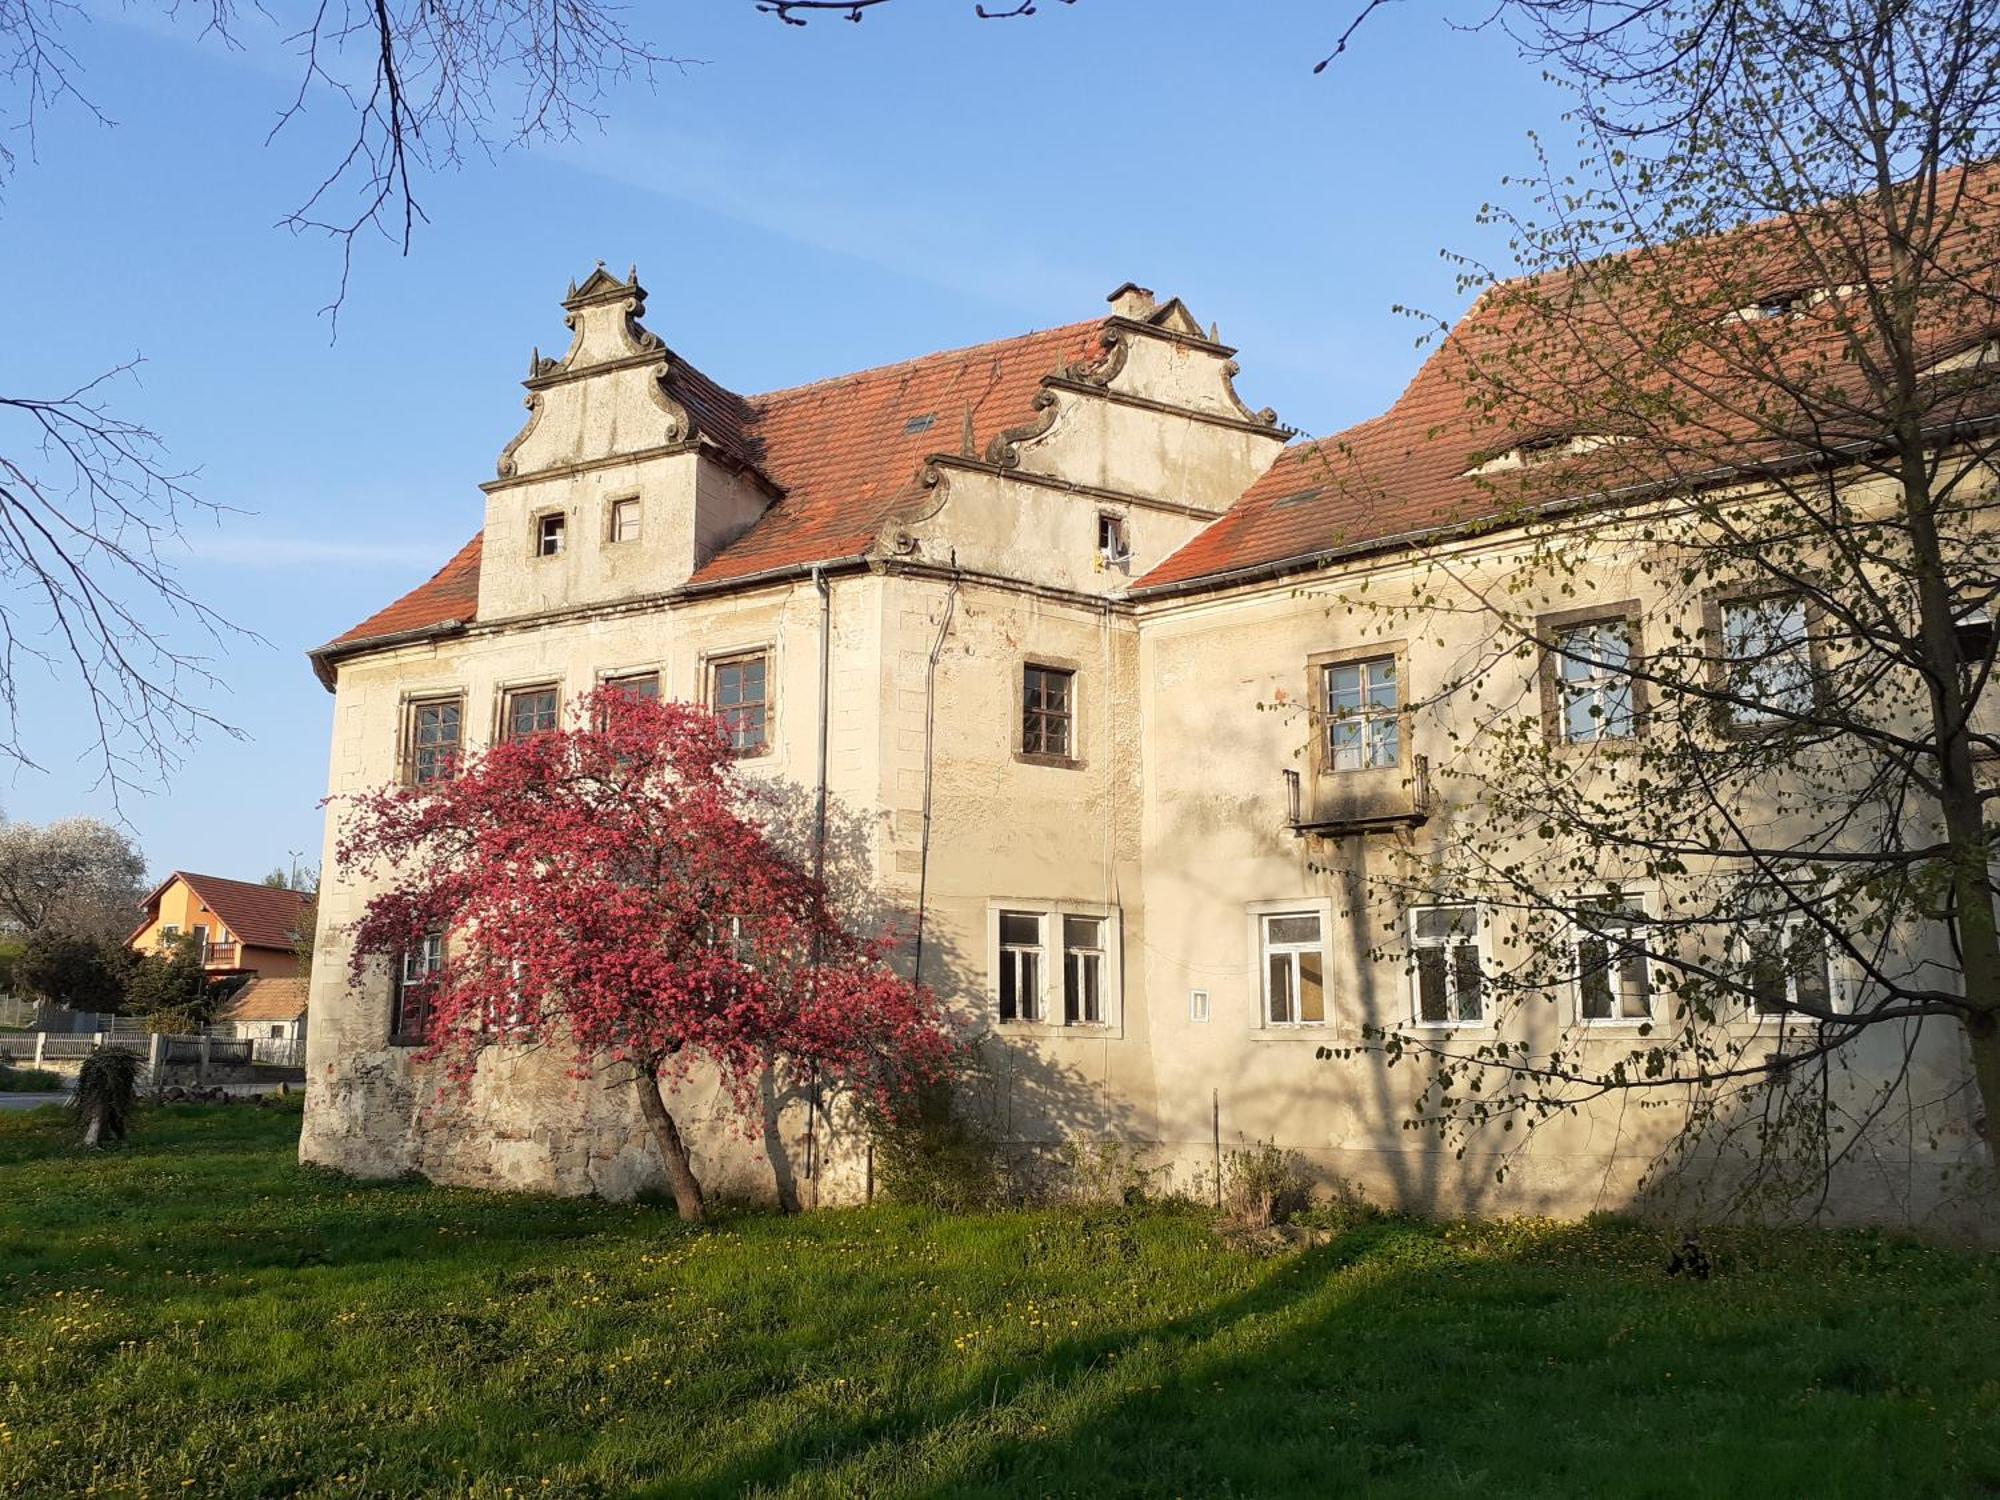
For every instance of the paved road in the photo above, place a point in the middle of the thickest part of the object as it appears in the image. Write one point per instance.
(32, 1101)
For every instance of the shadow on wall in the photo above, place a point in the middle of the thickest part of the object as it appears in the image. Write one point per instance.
(1881, 1141)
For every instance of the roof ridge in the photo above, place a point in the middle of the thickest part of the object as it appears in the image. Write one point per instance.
(917, 359)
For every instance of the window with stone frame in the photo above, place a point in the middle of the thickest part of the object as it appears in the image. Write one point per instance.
(1021, 965)
(527, 711)
(1293, 953)
(1593, 695)
(622, 525)
(1447, 980)
(1048, 711)
(416, 971)
(1787, 967)
(641, 685)
(433, 738)
(1361, 705)
(1767, 659)
(551, 534)
(1084, 970)
(739, 694)
(1614, 973)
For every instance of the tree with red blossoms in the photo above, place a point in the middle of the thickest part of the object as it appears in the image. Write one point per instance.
(611, 888)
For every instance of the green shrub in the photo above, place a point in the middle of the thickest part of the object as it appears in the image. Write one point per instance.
(1107, 1172)
(1264, 1185)
(28, 1081)
(933, 1155)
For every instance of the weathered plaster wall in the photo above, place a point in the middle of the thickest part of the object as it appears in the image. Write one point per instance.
(1221, 681)
(372, 1108)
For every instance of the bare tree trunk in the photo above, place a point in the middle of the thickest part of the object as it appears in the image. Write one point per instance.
(673, 1151)
(95, 1128)
(1984, 1034)
(1960, 802)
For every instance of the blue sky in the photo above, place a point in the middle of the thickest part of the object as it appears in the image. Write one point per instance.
(803, 201)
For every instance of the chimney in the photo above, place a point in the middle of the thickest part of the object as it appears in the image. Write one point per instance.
(1132, 301)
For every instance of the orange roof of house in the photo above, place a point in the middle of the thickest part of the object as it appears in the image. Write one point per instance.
(845, 452)
(268, 1000)
(263, 916)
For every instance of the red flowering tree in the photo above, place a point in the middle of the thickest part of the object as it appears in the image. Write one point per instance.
(611, 888)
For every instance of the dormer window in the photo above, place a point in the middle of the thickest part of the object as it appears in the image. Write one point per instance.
(1792, 302)
(551, 531)
(1114, 546)
(1544, 448)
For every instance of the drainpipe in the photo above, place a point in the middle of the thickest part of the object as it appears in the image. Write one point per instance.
(930, 736)
(825, 661)
(825, 591)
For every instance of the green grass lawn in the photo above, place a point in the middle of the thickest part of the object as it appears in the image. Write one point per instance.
(196, 1315)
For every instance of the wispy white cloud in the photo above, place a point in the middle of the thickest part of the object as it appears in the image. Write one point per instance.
(249, 550)
(807, 202)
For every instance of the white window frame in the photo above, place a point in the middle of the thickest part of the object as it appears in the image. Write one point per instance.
(1838, 992)
(1748, 675)
(1372, 719)
(1601, 684)
(620, 509)
(1257, 977)
(1579, 934)
(1051, 1008)
(538, 541)
(1452, 1020)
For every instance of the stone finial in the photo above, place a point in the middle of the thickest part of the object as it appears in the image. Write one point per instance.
(1132, 301)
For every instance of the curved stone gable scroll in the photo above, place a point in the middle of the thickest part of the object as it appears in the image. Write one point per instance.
(1004, 450)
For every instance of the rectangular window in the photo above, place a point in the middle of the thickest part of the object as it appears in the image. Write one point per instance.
(1614, 979)
(526, 711)
(1769, 658)
(550, 533)
(436, 726)
(1114, 547)
(1083, 971)
(1593, 670)
(1294, 969)
(739, 693)
(1788, 968)
(416, 979)
(1444, 954)
(199, 932)
(1362, 707)
(624, 521)
(1047, 707)
(1020, 966)
(642, 685)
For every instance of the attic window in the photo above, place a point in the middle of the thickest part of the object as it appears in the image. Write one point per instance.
(550, 531)
(920, 424)
(1791, 302)
(1114, 544)
(1301, 497)
(1548, 447)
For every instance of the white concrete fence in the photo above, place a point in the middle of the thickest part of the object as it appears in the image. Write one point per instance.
(36, 1049)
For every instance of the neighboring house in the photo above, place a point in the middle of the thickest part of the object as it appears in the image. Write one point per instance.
(244, 927)
(1026, 603)
(268, 1009)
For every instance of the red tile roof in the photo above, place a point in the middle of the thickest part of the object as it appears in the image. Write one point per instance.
(1575, 355)
(845, 452)
(264, 916)
(450, 594)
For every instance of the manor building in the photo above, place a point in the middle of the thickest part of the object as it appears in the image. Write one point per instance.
(1069, 634)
